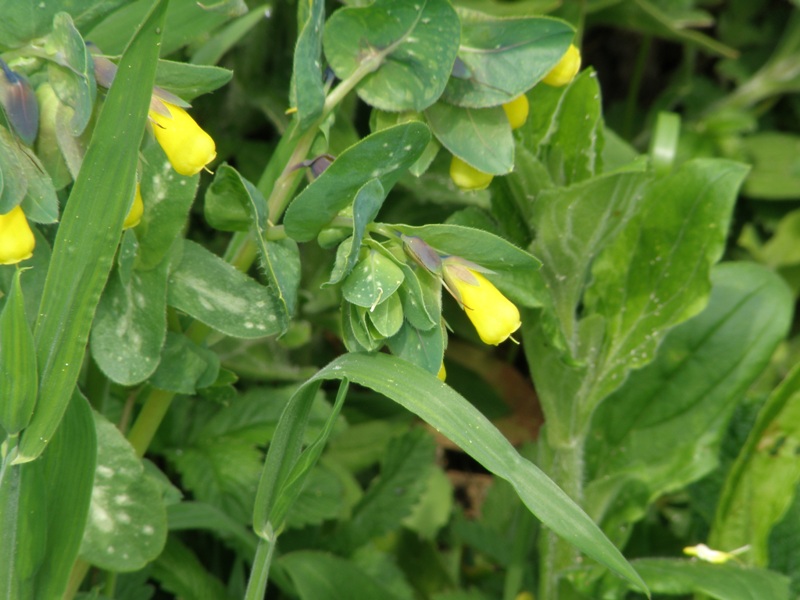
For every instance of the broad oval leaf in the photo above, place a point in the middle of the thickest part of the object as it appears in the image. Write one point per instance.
(130, 325)
(499, 59)
(127, 525)
(407, 47)
(480, 137)
(212, 291)
(372, 281)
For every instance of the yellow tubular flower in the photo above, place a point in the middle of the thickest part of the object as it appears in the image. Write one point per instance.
(467, 177)
(16, 238)
(137, 210)
(707, 554)
(442, 374)
(517, 111)
(494, 316)
(186, 145)
(566, 69)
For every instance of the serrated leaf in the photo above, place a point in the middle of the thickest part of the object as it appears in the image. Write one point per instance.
(384, 155)
(179, 571)
(322, 576)
(392, 495)
(130, 325)
(212, 291)
(407, 47)
(184, 367)
(480, 137)
(663, 429)
(499, 59)
(127, 525)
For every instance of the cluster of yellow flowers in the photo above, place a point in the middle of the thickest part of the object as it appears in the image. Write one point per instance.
(467, 177)
(188, 148)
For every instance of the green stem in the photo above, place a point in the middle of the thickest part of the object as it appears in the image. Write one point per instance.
(149, 419)
(79, 570)
(557, 557)
(257, 584)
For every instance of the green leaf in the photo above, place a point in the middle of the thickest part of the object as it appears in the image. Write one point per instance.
(68, 466)
(226, 201)
(228, 36)
(395, 491)
(722, 582)
(167, 199)
(23, 528)
(47, 146)
(654, 275)
(307, 89)
(663, 428)
(766, 464)
(384, 155)
(367, 203)
(406, 48)
(212, 291)
(515, 268)
(450, 414)
(23, 179)
(72, 76)
(565, 130)
(499, 59)
(127, 526)
(13, 182)
(184, 367)
(199, 515)
(89, 233)
(190, 81)
(280, 259)
(179, 571)
(23, 21)
(372, 281)
(776, 166)
(480, 137)
(422, 347)
(130, 325)
(573, 225)
(186, 21)
(387, 317)
(322, 576)
(321, 498)
(18, 372)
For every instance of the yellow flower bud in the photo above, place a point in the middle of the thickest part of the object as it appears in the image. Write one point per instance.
(494, 316)
(16, 238)
(566, 69)
(468, 177)
(442, 374)
(716, 557)
(136, 211)
(517, 111)
(186, 145)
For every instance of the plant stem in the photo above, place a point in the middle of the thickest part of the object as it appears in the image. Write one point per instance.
(149, 419)
(557, 557)
(257, 583)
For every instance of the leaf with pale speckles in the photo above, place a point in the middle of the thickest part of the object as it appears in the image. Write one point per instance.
(127, 524)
